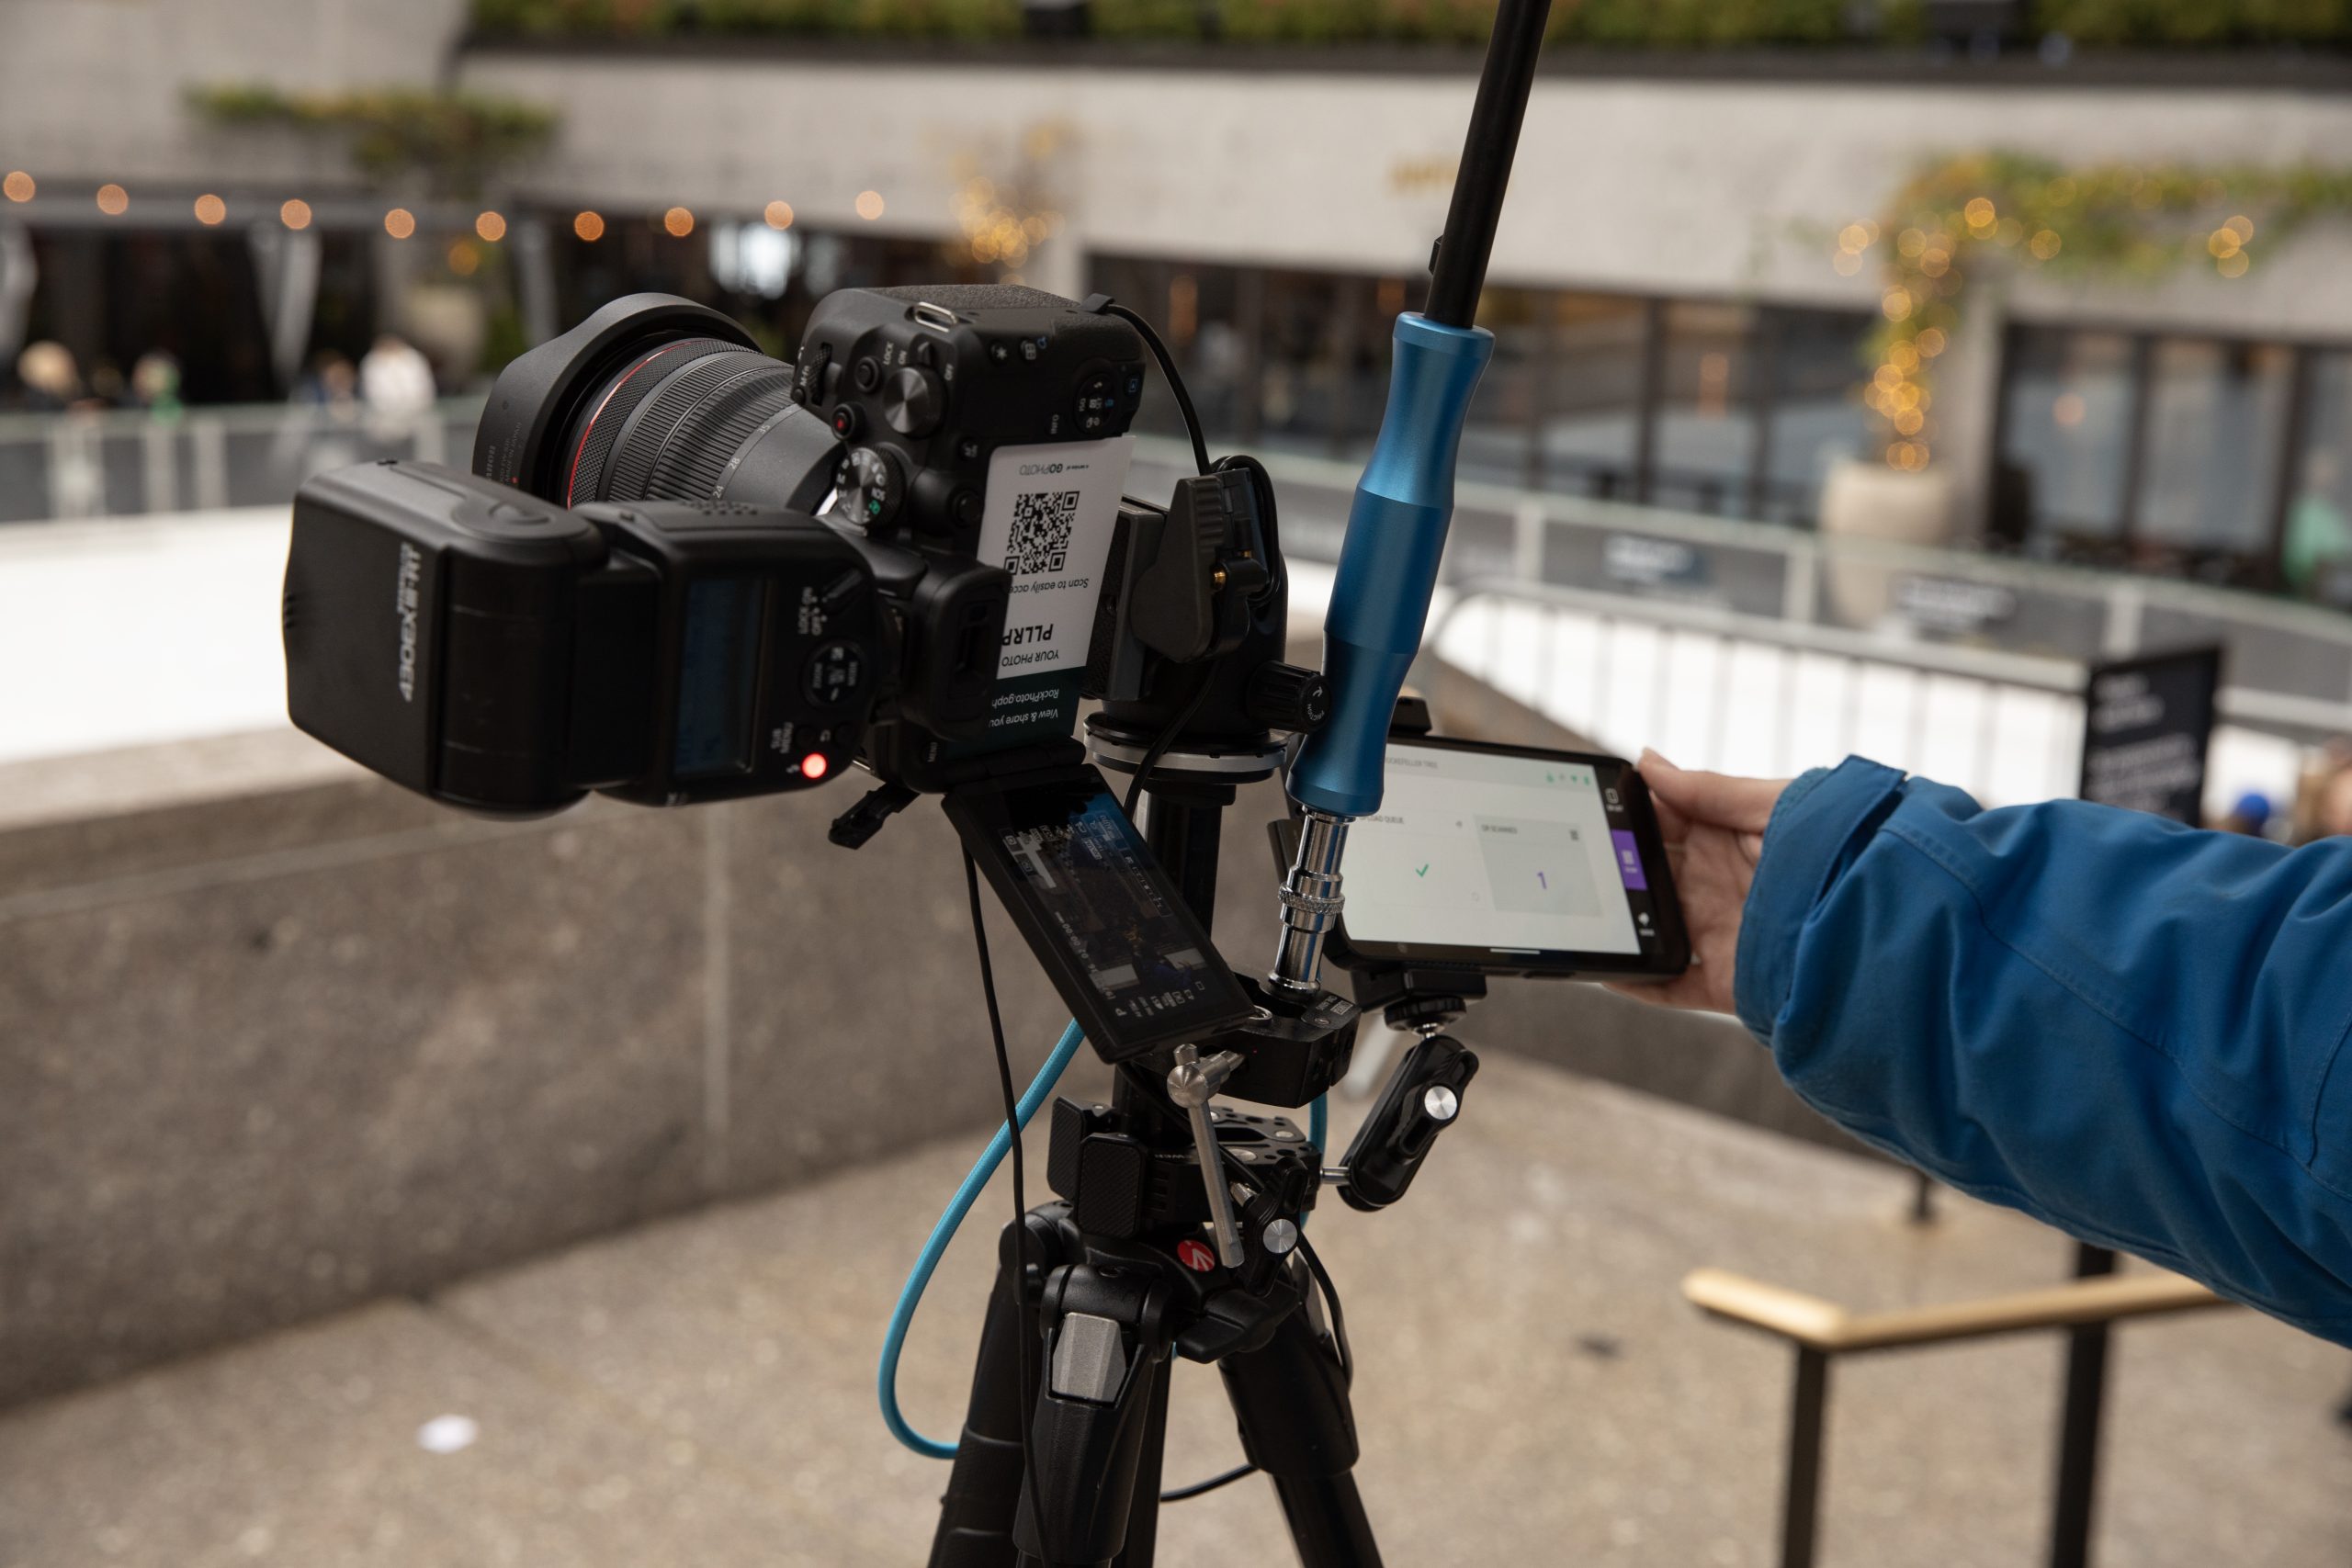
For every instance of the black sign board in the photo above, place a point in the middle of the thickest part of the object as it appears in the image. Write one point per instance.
(2146, 726)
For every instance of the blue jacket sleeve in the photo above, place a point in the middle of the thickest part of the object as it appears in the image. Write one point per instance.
(2127, 1028)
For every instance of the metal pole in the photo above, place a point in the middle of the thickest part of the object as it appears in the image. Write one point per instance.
(2078, 1427)
(1808, 1417)
(1458, 271)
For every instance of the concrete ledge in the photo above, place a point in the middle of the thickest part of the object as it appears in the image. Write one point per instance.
(271, 1050)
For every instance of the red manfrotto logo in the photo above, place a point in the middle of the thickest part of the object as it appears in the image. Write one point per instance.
(1195, 1257)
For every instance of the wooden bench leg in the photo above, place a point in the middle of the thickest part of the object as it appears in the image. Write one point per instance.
(1808, 1420)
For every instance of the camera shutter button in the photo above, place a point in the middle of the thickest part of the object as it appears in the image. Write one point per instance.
(913, 401)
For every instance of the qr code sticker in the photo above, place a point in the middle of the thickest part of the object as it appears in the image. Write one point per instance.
(1042, 523)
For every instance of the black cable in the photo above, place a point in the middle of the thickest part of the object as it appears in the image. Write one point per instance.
(1159, 748)
(1020, 1199)
(1331, 1304)
(1175, 382)
(1199, 1487)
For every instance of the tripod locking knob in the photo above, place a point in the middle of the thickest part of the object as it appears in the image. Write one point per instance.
(1288, 697)
(1422, 1098)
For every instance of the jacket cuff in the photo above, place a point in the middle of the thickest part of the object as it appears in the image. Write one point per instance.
(1819, 826)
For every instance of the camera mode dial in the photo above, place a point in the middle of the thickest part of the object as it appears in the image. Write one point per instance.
(913, 401)
(872, 489)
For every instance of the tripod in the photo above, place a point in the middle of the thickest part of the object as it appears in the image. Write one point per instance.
(1123, 1283)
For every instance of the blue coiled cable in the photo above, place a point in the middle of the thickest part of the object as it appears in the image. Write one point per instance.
(902, 1316)
(935, 1248)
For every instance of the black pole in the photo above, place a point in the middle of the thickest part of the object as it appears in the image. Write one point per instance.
(1458, 272)
(1808, 1418)
(2078, 1427)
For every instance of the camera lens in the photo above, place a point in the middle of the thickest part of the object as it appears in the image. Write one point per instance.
(667, 426)
(655, 399)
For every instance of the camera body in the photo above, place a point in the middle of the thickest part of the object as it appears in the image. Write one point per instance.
(924, 385)
(982, 427)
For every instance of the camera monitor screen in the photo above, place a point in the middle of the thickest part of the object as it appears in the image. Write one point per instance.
(1512, 860)
(1134, 966)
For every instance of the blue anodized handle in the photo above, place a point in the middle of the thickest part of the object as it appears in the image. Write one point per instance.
(1389, 561)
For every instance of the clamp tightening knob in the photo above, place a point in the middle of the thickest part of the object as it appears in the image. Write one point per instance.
(1192, 1083)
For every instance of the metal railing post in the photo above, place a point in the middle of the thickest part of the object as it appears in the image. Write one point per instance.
(1808, 1426)
(2075, 1503)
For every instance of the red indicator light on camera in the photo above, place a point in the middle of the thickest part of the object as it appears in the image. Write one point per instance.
(815, 766)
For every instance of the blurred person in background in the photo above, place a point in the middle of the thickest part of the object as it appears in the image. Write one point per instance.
(330, 437)
(2126, 1027)
(155, 384)
(2250, 816)
(108, 388)
(396, 380)
(2318, 543)
(2323, 801)
(332, 384)
(51, 381)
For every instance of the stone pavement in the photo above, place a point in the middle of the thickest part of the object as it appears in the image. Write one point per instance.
(1531, 1390)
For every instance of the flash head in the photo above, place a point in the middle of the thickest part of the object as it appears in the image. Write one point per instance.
(498, 652)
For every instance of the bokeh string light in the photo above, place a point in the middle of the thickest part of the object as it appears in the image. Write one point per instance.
(113, 200)
(1990, 211)
(589, 226)
(18, 185)
(678, 222)
(295, 214)
(400, 223)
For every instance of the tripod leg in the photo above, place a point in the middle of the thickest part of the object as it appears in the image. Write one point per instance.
(1097, 1419)
(975, 1514)
(1142, 1514)
(1291, 1399)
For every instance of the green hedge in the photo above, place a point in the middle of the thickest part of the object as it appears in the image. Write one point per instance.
(1599, 24)
(2196, 23)
(1640, 24)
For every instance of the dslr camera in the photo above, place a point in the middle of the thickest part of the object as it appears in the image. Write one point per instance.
(682, 571)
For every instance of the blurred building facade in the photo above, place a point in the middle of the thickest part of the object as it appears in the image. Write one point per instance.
(1678, 325)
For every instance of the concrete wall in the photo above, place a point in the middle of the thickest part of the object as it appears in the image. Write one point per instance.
(94, 90)
(1639, 183)
(276, 1037)
(1712, 188)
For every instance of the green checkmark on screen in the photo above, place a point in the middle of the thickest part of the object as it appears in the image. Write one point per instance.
(1421, 871)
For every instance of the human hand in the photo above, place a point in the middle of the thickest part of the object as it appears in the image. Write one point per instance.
(1713, 825)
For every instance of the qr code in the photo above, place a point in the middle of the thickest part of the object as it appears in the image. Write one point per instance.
(1042, 521)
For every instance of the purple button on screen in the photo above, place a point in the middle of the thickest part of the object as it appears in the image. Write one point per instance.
(1629, 861)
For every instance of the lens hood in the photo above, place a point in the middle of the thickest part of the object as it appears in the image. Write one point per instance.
(537, 396)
